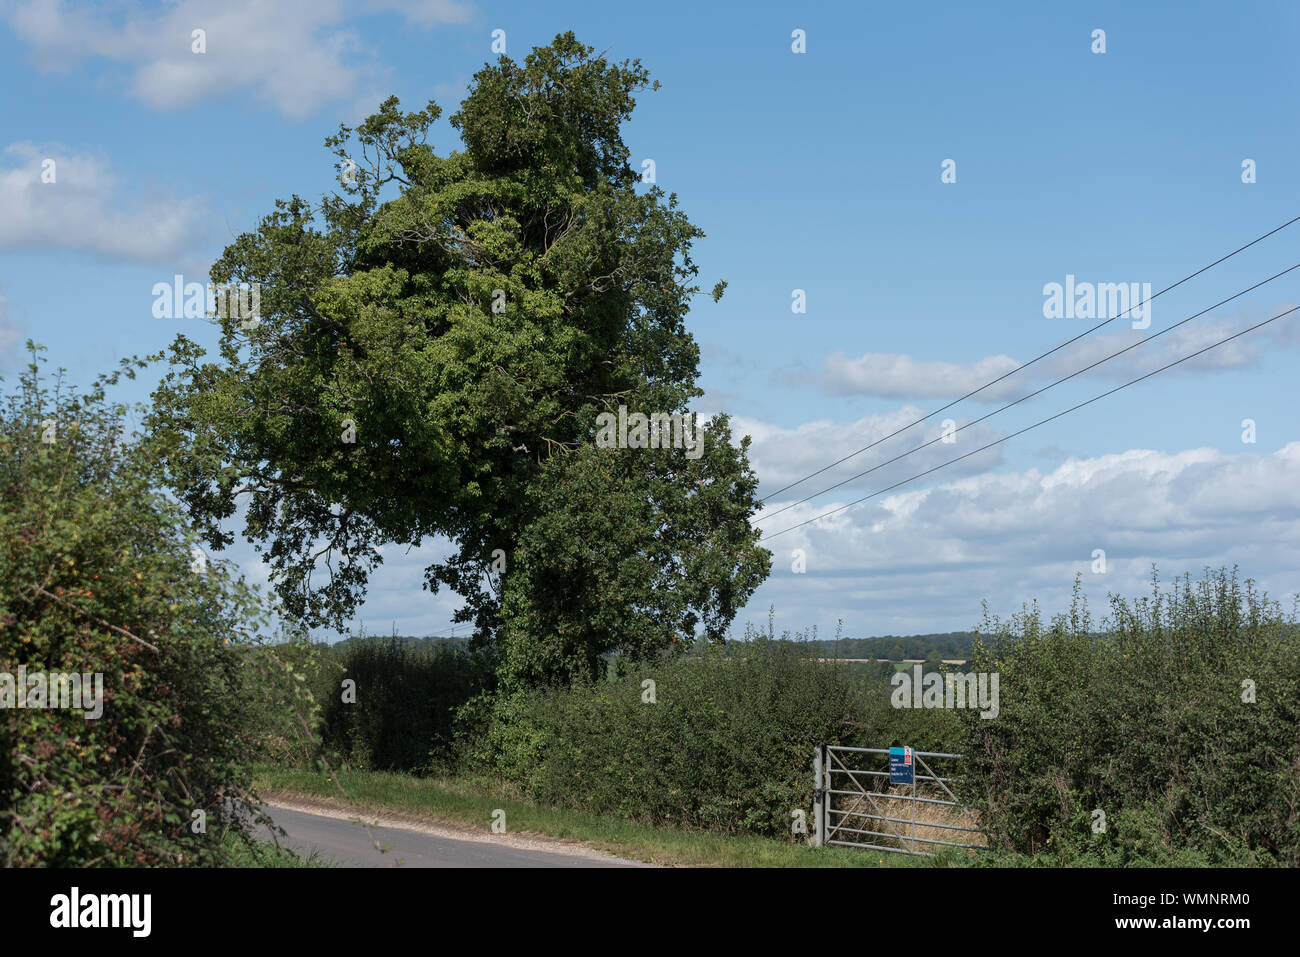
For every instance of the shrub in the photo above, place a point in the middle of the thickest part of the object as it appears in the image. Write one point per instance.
(96, 577)
(727, 744)
(282, 698)
(1144, 720)
(403, 718)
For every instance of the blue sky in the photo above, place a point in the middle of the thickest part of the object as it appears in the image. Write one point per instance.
(817, 171)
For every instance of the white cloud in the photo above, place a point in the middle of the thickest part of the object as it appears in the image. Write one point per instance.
(296, 55)
(892, 376)
(924, 559)
(782, 455)
(902, 377)
(84, 208)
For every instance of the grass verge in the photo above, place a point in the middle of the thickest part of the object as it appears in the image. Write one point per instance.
(265, 854)
(470, 805)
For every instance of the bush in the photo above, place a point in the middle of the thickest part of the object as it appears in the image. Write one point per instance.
(1144, 720)
(727, 744)
(96, 578)
(407, 696)
(281, 700)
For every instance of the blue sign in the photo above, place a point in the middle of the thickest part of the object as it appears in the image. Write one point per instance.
(901, 769)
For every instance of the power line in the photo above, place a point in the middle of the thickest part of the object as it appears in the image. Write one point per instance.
(1032, 361)
(1031, 395)
(1035, 425)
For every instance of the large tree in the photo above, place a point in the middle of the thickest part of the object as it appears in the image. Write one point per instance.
(435, 345)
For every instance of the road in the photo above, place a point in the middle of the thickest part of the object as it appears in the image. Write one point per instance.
(338, 839)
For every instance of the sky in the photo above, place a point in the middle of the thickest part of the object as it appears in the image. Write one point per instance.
(922, 174)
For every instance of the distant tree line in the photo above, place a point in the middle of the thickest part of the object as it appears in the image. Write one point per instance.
(945, 645)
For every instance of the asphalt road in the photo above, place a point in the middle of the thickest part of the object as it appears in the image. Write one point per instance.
(349, 845)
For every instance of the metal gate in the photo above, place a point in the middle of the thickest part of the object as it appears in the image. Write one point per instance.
(846, 807)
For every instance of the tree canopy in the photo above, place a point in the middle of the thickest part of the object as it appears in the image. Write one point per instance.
(434, 345)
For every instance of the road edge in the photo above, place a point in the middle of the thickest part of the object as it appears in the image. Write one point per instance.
(404, 820)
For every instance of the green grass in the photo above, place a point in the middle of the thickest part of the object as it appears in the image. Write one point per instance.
(471, 804)
(260, 853)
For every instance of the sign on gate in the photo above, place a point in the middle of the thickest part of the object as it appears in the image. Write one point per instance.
(901, 769)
